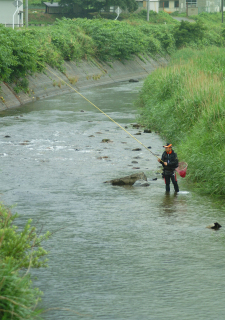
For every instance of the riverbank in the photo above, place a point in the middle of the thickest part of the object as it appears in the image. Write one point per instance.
(78, 75)
(86, 53)
(184, 102)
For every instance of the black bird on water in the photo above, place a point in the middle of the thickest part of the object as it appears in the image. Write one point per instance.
(214, 226)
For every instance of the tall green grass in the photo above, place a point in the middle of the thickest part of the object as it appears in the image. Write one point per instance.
(20, 250)
(185, 102)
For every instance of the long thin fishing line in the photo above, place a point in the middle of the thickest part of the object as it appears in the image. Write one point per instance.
(97, 108)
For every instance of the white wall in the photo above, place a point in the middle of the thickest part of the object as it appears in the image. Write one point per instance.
(7, 10)
(154, 5)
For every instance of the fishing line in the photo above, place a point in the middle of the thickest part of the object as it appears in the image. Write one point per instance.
(97, 108)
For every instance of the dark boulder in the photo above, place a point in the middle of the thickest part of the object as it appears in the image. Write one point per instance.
(137, 149)
(147, 131)
(128, 180)
(133, 80)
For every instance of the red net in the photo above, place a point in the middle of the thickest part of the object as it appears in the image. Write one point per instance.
(182, 169)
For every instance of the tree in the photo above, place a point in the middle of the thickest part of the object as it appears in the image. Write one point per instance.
(97, 5)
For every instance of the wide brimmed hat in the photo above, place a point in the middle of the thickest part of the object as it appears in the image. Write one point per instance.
(168, 145)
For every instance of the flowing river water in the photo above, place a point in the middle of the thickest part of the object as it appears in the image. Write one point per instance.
(119, 253)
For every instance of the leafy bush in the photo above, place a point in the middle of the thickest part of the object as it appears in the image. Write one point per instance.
(19, 250)
(15, 48)
(25, 51)
(154, 17)
(188, 32)
(18, 299)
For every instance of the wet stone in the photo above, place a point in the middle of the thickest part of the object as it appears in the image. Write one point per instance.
(136, 125)
(105, 140)
(133, 80)
(128, 180)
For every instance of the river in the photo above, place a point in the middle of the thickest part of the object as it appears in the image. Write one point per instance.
(119, 253)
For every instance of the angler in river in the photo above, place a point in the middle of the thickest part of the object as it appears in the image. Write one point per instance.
(169, 162)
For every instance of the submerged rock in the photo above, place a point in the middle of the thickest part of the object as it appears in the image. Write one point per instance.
(106, 140)
(137, 149)
(133, 80)
(136, 125)
(141, 183)
(128, 180)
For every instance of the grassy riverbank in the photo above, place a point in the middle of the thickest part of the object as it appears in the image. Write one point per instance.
(185, 102)
(20, 250)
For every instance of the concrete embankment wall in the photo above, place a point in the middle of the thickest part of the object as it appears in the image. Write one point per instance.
(78, 75)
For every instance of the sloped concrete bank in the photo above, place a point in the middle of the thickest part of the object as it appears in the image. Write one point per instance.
(78, 75)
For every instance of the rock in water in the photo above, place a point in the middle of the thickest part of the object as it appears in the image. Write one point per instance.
(133, 80)
(128, 180)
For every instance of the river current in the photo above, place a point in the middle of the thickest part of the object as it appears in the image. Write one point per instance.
(119, 253)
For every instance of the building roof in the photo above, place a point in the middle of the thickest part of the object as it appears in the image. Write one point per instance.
(52, 5)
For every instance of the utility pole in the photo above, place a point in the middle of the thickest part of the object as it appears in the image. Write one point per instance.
(222, 10)
(26, 13)
(148, 5)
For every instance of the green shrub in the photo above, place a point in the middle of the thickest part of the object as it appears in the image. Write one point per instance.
(20, 250)
(18, 298)
(188, 32)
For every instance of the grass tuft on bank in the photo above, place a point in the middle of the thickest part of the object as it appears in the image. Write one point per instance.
(185, 102)
(20, 250)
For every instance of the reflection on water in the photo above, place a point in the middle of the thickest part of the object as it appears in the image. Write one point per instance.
(173, 203)
(119, 253)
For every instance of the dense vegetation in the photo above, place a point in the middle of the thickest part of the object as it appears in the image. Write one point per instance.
(185, 102)
(19, 251)
(21, 50)
(97, 5)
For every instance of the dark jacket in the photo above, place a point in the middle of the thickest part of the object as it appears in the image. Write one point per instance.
(172, 162)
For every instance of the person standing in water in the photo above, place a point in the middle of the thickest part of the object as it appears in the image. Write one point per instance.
(169, 162)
